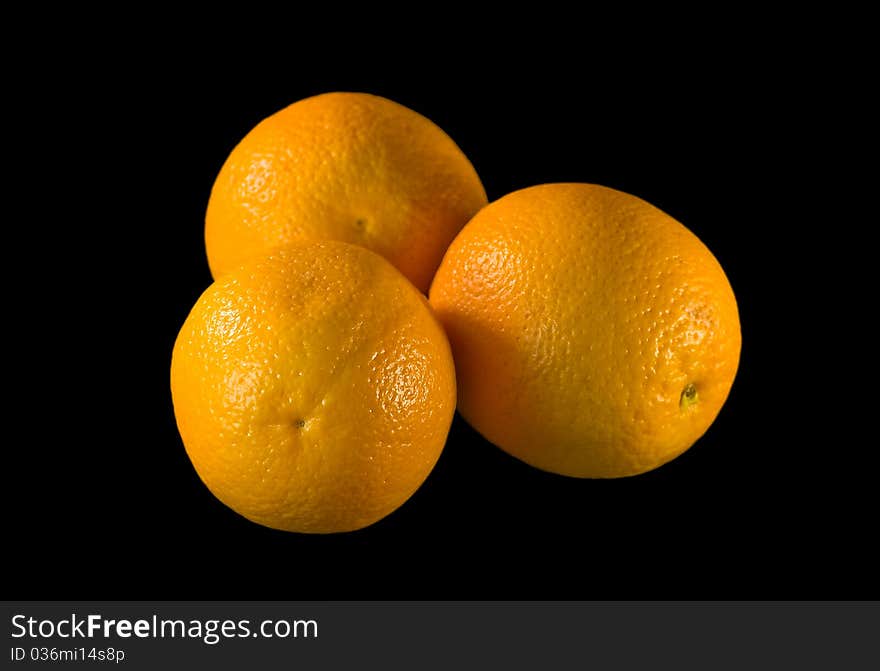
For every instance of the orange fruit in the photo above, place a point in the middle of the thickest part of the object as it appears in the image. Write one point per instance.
(343, 166)
(313, 389)
(593, 335)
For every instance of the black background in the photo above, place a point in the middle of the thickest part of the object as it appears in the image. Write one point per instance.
(774, 502)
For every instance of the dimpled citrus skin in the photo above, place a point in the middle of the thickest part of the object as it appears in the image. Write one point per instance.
(343, 166)
(578, 317)
(313, 389)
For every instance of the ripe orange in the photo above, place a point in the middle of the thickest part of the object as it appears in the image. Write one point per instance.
(343, 166)
(313, 389)
(593, 335)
